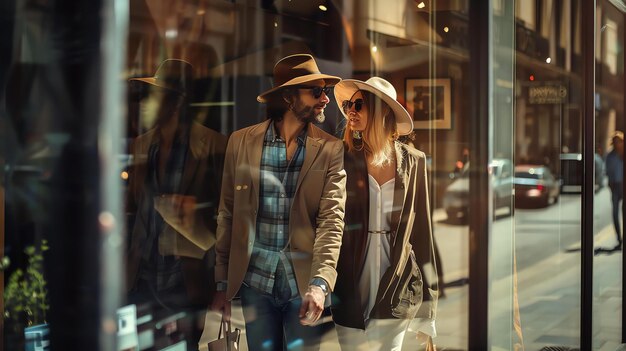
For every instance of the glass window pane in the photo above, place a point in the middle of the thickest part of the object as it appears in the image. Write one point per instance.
(608, 165)
(192, 79)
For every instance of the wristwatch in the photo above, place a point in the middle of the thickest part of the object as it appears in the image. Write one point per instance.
(322, 284)
(221, 286)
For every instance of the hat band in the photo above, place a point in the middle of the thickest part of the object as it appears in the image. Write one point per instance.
(296, 73)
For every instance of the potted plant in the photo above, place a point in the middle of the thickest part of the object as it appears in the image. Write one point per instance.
(26, 294)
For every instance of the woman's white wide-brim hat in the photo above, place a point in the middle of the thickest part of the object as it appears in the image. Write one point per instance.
(346, 89)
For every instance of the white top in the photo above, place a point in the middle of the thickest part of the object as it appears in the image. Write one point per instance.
(378, 249)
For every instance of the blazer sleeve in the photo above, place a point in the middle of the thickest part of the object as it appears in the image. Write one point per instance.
(330, 223)
(225, 213)
(423, 242)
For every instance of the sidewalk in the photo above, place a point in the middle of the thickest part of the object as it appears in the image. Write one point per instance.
(549, 300)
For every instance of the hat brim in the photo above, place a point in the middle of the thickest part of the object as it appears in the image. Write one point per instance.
(152, 81)
(346, 89)
(328, 79)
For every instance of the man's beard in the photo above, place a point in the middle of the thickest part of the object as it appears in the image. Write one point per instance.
(306, 114)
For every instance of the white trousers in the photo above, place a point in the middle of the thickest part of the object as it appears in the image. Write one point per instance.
(379, 334)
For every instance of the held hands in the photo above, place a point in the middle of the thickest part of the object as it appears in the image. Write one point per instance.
(312, 305)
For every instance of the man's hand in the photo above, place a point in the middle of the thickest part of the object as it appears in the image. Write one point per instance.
(221, 304)
(312, 305)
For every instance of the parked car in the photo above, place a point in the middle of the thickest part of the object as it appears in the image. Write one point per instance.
(535, 186)
(456, 196)
(572, 172)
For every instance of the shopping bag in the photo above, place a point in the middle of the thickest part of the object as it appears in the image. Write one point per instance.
(229, 341)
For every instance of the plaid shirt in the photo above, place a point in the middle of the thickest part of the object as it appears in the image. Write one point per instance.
(277, 188)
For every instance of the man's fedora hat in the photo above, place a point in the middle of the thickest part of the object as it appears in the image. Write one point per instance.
(346, 89)
(172, 74)
(296, 70)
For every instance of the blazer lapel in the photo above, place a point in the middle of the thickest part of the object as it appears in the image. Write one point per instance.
(254, 151)
(191, 167)
(313, 145)
(196, 150)
(356, 167)
(400, 190)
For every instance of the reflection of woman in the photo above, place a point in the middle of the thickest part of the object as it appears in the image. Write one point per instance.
(387, 234)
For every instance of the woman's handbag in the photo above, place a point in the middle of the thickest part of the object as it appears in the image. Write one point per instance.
(228, 342)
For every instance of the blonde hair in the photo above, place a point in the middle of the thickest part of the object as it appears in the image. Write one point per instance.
(380, 132)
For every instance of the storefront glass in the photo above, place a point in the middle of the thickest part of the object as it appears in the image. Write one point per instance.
(190, 77)
(609, 121)
(549, 173)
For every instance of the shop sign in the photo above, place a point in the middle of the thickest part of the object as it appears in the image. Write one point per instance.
(547, 94)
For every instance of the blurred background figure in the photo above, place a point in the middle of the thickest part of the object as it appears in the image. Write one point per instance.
(173, 193)
(615, 173)
(462, 164)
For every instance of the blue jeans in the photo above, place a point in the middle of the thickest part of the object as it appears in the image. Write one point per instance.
(272, 321)
(616, 197)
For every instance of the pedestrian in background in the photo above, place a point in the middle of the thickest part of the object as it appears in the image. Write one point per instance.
(615, 173)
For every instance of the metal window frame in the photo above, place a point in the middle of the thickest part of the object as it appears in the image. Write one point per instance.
(588, 7)
(480, 68)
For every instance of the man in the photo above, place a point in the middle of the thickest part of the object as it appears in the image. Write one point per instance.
(172, 202)
(615, 173)
(281, 213)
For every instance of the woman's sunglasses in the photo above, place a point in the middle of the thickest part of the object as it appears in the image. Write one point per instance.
(317, 91)
(346, 105)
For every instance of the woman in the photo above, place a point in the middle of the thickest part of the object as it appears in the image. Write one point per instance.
(387, 237)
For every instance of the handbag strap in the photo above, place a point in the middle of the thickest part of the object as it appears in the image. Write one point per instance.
(219, 333)
(226, 329)
(225, 325)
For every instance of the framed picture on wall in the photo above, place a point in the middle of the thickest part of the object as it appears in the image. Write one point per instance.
(429, 103)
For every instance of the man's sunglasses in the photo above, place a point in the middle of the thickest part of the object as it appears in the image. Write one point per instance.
(317, 91)
(346, 105)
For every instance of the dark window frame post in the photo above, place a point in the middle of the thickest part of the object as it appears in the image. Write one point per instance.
(480, 19)
(588, 9)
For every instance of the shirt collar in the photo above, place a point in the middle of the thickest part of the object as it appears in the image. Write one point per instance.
(272, 134)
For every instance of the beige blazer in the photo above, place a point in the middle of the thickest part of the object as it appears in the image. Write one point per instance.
(316, 218)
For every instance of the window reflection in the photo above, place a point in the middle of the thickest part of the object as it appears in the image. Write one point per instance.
(172, 201)
(171, 166)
